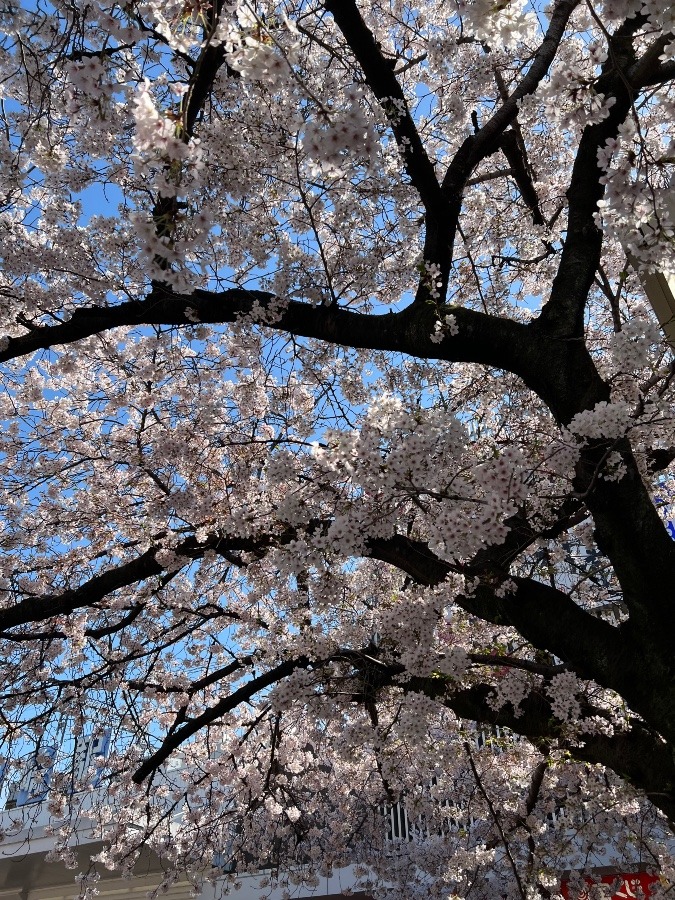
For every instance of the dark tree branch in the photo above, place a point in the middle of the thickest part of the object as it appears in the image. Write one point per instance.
(545, 616)
(381, 78)
(489, 340)
(658, 75)
(203, 76)
(640, 757)
(512, 662)
(660, 458)
(637, 755)
(514, 153)
(77, 55)
(548, 618)
(486, 139)
(623, 73)
(563, 375)
(215, 712)
(133, 613)
(563, 314)
(627, 659)
(211, 59)
(561, 372)
(97, 588)
(647, 70)
(200, 683)
(37, 609)
(21, 637)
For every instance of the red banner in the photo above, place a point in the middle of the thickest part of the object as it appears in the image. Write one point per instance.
(627, 886)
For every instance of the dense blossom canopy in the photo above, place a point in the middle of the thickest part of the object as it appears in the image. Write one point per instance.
(336, 422)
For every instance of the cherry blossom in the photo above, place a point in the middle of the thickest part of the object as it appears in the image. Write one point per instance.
(337, 440)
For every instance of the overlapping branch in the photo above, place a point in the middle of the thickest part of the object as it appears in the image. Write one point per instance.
(381, 78)
(490, 340)
(486, 140)
(93, 591)
(637, 754)
(215, 712)
(622, 76)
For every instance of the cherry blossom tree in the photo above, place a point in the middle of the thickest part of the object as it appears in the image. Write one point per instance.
(338, 435)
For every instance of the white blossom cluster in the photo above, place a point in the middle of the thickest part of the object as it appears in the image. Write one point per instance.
(636, 209)
(257, 52)
(513, 688)
(632, 347)
(416, 715)
(503, 24)
(346, 133)
(89, 76)
(605, 420)
(454, 662)
(615, 468)
(396, 456)
(158, 137)
(446, 325)
(563, 690)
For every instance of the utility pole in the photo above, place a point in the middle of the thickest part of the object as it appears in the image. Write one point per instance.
(660, 291)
